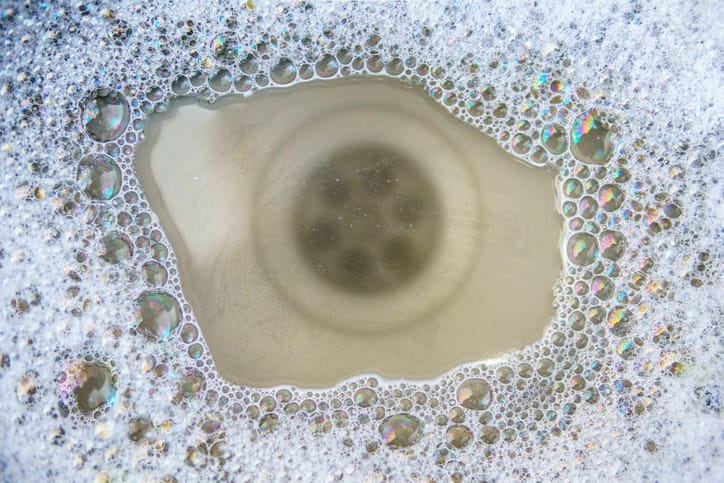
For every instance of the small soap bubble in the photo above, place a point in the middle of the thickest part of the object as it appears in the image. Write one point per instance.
(553, 138)
(94, 385)
(139, 429)
(283, 72)
(572, 188)
(158, 314)
(191, 384)
(99, 176)
(593, 138)
(602, 287)
(365, 397)
(154, 273)
(582, 249)
(401, 430)
(619, 321)
(117, 248)
(490, 434)
(395, 67)
(221, 80)
(249, 65)
(521, 143)
(610, 197)
(475, 394)
(612, 244)
(587, 207)
(106, 114)
(181, 85)
(268, 423)
(459, 436)
(327, 66)
(626, 348)
(545, 367)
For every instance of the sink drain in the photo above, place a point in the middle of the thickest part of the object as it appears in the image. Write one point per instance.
(367, 219)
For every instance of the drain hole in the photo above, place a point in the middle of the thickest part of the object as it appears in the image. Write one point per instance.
(367, 219)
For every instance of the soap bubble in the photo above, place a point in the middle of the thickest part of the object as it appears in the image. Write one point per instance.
(154, 273)
(401, 430)
(610, 197)
(475, 394)
(365, 397)
(593, 138)
(327, 66)
(283, 72)
(521, 143)
(619, 321)
(553, 138)
(612, 244)
(106, 115)
(459, 436)
(117, 248)
(158, 314)
(94, 385)
(191, 384)
(582, 249)
(99, 176)
(602, 287)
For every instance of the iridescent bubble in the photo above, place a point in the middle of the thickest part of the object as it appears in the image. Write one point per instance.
(490, 434)
(593, 138)
(553, 138)
(573, 188)
(401, 430)
(99, 176)
(459, 436)
(587, 207)
(521, 143)
(672, 210)
(268, 423)
(539, 156)
(619, 321)
(327, 66)
(154, 273)
(610, 197)
(612, 244)
(475, 394)
(181, 85)
(504, 374)
(189, 333)
(626, 348)
(545, 367)
(577, 382)
(582, 249)
(249, 64)
(395, 67)
(94, 385)
(602, 287)
(221, 80)
(158, 313)
(106, 115)
(191, 384)
(117, 248)
(475, 108)
(283, 72)
(365, 397)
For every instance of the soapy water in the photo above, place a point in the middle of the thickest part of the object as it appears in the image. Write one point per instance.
(106, 373)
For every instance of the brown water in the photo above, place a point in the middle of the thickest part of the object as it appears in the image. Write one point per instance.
(348, 227)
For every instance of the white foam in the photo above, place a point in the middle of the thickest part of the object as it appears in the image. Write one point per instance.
(654, 67)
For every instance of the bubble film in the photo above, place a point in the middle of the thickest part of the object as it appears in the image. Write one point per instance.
(105, 371)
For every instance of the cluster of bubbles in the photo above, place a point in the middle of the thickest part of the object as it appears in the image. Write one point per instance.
(152, 371)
